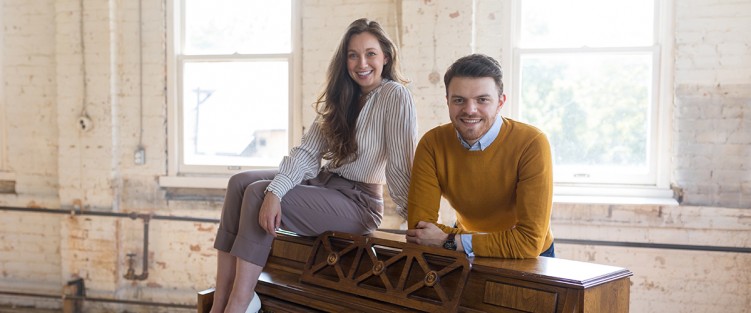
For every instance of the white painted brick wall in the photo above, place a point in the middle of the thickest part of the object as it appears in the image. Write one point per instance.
(435, 34)
(675, 280)
(712, 42)
(713, 102)
(25, 243)
(713, 140)
(89, 250)
(321, 38)
(665, 280)
(56, 165)
(30, 95)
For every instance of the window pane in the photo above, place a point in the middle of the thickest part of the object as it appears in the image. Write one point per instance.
(590, 23)
(238, 26)
(595, 109)
(235, 113)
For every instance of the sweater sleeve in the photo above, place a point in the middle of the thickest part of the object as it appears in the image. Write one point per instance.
(303, 162)
(401, 136)
(424, 188)
(534, 195)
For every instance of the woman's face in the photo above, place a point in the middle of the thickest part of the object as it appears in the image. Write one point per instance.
(365, 61)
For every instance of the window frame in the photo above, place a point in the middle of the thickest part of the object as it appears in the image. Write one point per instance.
(180, 174)
(657, 186)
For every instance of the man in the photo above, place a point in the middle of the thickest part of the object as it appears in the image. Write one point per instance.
(495, 172)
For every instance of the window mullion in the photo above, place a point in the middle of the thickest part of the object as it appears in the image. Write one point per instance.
(234, 57)
(584, 50)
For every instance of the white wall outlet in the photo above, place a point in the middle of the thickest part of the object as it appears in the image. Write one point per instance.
(140, 156)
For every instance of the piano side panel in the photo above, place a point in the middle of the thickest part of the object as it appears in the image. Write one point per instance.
(496, 293)
(520, 298)
(205, 300)
(610, 297)
(571, 302)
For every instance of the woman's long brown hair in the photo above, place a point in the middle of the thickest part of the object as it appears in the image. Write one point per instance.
(338, 104)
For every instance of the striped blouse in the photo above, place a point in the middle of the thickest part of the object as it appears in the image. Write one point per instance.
(386, 134)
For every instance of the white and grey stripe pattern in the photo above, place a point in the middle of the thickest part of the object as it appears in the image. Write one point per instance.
(386, 134)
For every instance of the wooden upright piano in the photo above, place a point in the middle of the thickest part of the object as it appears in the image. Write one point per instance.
(338, 272)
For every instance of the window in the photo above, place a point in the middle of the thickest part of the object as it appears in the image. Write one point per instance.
(231, 85)
(587, 72)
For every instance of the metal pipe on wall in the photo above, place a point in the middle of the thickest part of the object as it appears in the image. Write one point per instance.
(131, 215)
(398, 231)
(95, 299)
(130, 275)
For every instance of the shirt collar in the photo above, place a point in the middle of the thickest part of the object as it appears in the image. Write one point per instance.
(486, 139)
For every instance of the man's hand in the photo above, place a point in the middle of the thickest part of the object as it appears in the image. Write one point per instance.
(427, 234)
(270, 214)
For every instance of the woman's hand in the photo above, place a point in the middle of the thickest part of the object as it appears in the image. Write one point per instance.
(270, 214)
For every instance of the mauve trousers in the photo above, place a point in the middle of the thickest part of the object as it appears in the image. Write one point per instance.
(327, 202)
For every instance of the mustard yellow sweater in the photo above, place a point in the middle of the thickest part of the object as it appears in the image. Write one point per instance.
(502, 195)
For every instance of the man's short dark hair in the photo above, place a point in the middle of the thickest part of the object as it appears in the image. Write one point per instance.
(475, 66)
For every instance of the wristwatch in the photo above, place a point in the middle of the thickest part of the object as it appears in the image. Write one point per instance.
(450, 243)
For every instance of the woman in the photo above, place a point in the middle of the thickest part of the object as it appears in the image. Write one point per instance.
(366, 131)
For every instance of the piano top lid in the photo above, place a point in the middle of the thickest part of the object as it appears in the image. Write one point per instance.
(549, 270)
(552, 270)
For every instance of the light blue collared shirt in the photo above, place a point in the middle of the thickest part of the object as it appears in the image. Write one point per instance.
(486, 139)
(479, 145)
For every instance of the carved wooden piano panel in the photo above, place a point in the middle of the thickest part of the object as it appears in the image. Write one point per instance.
(381, 273)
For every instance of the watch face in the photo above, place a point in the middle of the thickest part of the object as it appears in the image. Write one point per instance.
(449, 244)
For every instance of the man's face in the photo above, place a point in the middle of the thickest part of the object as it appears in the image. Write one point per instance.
(473, 105)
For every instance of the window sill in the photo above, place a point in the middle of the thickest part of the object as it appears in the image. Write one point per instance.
(7, 176)
(562, 194)
(614, 195)
(200, 182)
(7, 182)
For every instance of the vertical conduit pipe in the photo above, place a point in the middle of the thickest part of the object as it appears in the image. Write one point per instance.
(131, 274)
